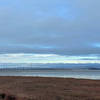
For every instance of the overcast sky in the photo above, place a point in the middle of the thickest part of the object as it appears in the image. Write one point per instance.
(61, 27)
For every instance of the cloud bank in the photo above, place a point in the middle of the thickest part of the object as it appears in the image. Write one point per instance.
(62, 27)
(48, 59)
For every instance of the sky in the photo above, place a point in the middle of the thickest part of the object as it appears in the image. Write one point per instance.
(50, 31)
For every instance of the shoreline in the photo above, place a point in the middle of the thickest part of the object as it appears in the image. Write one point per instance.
(77, 74)
(54, 77)
(48, 88)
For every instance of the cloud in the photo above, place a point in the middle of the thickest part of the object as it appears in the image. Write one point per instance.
(48, 59)
(61, 27)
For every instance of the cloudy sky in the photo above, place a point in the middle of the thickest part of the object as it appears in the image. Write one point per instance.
(50, 31)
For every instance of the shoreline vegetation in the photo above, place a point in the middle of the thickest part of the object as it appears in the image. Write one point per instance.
(46, 88)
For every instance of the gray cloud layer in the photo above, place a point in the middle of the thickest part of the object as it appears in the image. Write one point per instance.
(50, 26)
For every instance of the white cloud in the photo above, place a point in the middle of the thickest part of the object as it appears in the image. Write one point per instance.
(48, 58)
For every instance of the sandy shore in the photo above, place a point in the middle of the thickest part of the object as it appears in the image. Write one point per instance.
(38, 88)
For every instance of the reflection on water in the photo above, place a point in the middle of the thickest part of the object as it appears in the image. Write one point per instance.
(86, 74)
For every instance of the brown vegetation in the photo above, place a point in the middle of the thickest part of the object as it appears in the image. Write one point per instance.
(36, 88)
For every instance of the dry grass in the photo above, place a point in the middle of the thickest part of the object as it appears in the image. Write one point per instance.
(36, 88)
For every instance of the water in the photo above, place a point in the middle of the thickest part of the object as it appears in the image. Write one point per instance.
(84, 74)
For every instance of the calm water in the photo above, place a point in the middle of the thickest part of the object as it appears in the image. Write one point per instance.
(86, 74)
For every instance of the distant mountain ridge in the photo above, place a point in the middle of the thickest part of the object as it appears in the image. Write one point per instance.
(26, 66)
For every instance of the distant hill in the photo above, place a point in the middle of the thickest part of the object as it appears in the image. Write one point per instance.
(26, 66)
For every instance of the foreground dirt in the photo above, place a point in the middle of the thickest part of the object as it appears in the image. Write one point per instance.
(36, 88)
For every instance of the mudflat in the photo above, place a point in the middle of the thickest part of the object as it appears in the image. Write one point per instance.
(45, 88)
